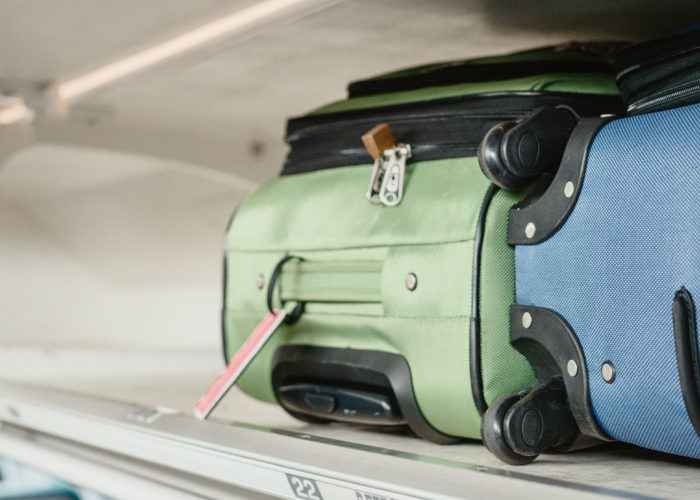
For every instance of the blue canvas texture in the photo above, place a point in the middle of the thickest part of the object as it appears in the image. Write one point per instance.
(613, 268)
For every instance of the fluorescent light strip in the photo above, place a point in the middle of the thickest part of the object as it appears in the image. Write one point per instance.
(226, 26)
(14, 110)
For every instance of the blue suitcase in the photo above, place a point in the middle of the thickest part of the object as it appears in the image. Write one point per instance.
(607, 257)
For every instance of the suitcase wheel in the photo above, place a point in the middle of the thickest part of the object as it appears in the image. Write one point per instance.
(492, 432)
(518, 427)
(514, 154)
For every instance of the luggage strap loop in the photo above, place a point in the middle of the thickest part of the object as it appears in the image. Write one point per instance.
(298, 310)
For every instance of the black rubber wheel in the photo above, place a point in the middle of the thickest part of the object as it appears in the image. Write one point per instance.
(492, 431)
(491, 163)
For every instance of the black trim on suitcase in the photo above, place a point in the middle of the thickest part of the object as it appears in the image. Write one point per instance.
(553, 412)
(687, 355)
(541, 214)
(477, 381)
(548, 342)
(452, 127)
(364, 371)
(655, 52)
(223, 314)
(469, 72)
(660, 74)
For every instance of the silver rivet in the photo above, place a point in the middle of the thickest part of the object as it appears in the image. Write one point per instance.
(530, 229)
(569, 189)
(260, 281)
(526, 320)
(608, 371)
(411, 281)
(572, 368)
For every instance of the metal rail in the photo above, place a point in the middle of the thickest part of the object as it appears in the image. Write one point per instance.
(217, 459)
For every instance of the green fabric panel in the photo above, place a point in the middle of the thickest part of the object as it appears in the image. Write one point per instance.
(444, 278)
(503, 369)
(436, 350)
(244, 268)
(443, 271)
(591, 83)
(354, 250)
(346, 308)
(329, 223)
(380, 246)
(331, 281)
(327, 209)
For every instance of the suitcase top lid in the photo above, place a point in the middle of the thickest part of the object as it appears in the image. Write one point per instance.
(554, 68)
(571, 57)
(660, 74)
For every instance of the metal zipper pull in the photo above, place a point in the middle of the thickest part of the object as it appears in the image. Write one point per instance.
(391, 191)
(377, 141)
(386, 182)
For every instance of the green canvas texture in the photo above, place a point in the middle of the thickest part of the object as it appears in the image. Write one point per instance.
(503, 369)
(357, 256)
(326, 219)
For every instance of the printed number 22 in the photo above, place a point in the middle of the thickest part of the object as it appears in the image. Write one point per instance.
(304, 488)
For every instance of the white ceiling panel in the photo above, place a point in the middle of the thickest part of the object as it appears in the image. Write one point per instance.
(225, 107)
(44, 41)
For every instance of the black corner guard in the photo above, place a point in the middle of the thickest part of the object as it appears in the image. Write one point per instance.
(541, 214)
(353, 368)
(686, 335)
(549, 343)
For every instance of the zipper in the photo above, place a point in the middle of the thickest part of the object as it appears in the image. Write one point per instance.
(660, 60)
(647, 76)
(659, 74)
(387, 179)
(660, 100)
(438, 129)
(644, 55)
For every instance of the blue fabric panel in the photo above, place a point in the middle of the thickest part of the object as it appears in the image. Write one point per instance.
(613, 268)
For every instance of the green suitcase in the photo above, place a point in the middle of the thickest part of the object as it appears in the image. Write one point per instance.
(405, 286)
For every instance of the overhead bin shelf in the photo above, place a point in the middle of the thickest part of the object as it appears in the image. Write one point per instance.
(254, 447)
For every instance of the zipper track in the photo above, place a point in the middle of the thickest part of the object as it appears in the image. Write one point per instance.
(660, 100)
(628, 72)
(660, 74)
(646, 79)
(437, 129)
(654, 52)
